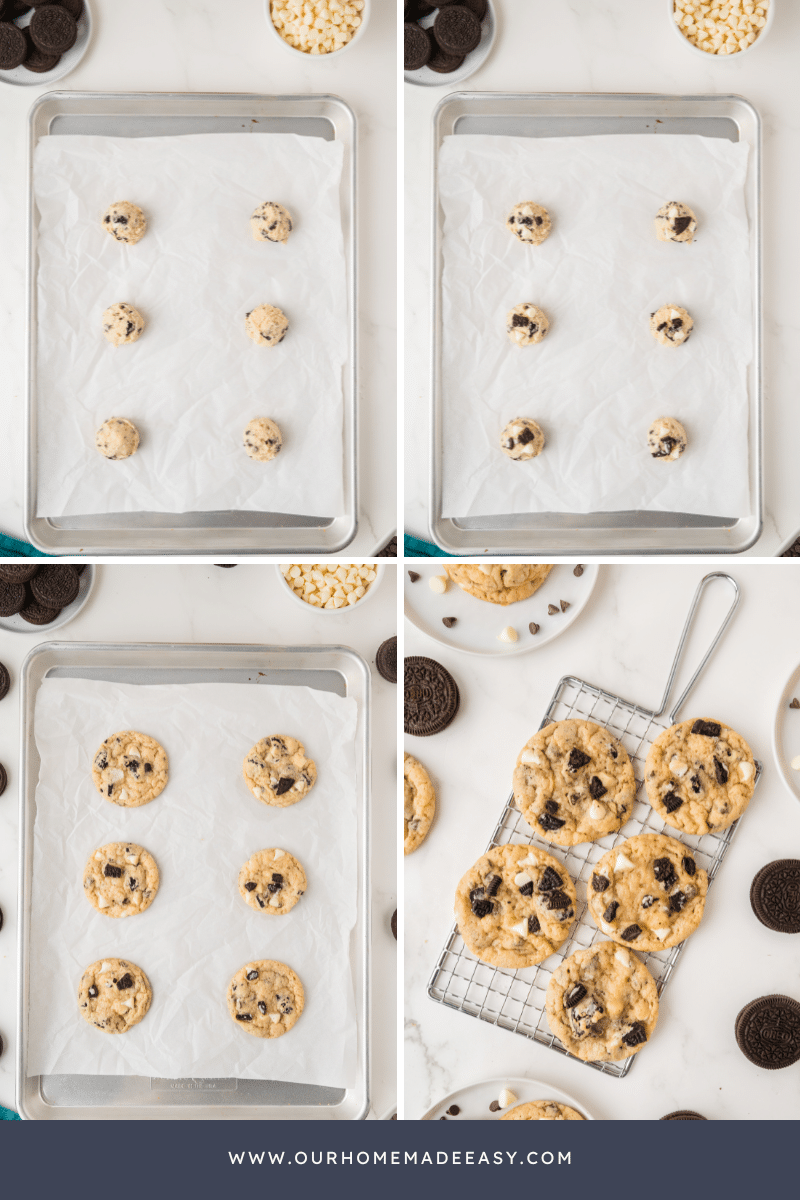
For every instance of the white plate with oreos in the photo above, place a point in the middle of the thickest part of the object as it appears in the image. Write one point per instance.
(426, 77)
(463, 622)
(86, 581)
(20, 14)
(490, 1100)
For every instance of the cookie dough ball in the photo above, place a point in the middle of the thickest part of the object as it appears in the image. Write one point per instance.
(529, 222)
(522, 439)
(266, 325)
(671, 325)
(117, 438)
(262, 439)
(125, 222)
(675, 222)
(122, 323)
(526, 324)
(271, 223)
(666, 438)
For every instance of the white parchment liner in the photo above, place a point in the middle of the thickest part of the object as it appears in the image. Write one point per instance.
(599, 379)
(198, 932)
(194, 379)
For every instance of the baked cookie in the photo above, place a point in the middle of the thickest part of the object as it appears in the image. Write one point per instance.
(265, 998)
(515, 906)
(675, 222)
(114, 995)
(700, 776)
(120, 879)
(666, 439)
(500, 583)
(271, 223)
(542, 1110)
(671, 325)
(122, 324)
(262, 439)
(125, 222)
(272, 881)
(277, 771)
(648, 892)
(266, 325)
(602, 1003)
(117, 438)
(526, 324)
(574, 782)
(419, 804)
(130, 769)
(529, 222)
(522, 439)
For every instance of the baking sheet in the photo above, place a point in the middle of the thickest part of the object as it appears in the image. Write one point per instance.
(194, 379)
(598, 380)
(198, 931)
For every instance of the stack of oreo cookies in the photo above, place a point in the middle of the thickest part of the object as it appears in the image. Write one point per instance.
(49, 30)
(444, 44)
(36, 593)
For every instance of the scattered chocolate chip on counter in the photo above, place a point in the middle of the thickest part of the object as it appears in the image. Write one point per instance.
(449, 622)
(533, 627)
(578, 571)
(552, 611)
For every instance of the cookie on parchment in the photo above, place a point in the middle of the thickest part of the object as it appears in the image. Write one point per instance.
(574, 782)
(602, 1003)
(121, 879)
(265, 998)
(277, 771)
(114, 995)
(500, 583)
(515, 906)
(648, 892)
(419, 804)
(130, 769)
(700, 776)
(542, 1110)
(272, 881)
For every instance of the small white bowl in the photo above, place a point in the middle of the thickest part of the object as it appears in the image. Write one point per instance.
(365, 12)
(722, 57)
(347, 608)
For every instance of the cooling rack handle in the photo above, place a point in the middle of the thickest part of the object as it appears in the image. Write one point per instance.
(704, 582)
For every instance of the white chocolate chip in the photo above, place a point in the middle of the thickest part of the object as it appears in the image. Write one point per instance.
(279, 854)
(132, 859)
(105, 966)
(522, 878)
(102, 902)
(275, 901)
(597, 810)
(521, 930)
(796, 763)
(115, 775)
(746, 770)
(274, 1017)
(506, 1098)
(122, 794)
(530, 756)
(438, 584)
(132, 754)
(99, 855)
(678, 766)
(622, 957)
(509, 634)
(530, 861)
(623, 863)
(661, 933)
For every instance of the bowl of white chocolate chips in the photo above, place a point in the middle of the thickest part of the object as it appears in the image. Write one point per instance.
(331, 587)
(317, 28)
(725, 28)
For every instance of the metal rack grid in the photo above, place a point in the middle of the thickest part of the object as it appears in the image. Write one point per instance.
(515, 1000)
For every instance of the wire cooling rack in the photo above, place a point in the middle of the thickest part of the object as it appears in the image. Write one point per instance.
(515, 1000)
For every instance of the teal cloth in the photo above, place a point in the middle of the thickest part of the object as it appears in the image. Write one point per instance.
(11, 548)
(7, 1115)
(416, 548)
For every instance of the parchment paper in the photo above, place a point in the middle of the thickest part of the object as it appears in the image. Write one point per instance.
(599, 379)
(194, 379)
(198, 931)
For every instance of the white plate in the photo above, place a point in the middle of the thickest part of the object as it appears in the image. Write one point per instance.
(786, 734)
(20, 77)
(86, 581)
(425, 77)
(479, 622)
(474, 1100)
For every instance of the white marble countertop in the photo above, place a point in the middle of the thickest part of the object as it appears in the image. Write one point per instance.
(619, 46)
(623, 642)
(205, 46)
(206, 604)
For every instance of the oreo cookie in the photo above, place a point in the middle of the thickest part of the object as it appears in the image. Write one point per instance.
(55, 587)
(443, 63)
(73, 7)
(12, 597)
(386, 660)
(775, 895)
(37, 614)
(431, 696)
(768, 1032)
(683, 1114)
(53, 29)
(13, 46)
(456, 29)
(5, 681)
(19, 8)
(416, 47)
(39, 62)
(394, 924)
(479, 7)
(18, 572)
(3, 779)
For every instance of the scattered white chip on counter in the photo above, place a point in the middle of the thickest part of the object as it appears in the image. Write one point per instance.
(509, 634)
(438, 584)
(506, 1098)
(796, 763)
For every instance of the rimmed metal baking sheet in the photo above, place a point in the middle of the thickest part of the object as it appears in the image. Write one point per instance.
(578, 114)
(162, 114)
(334, 669)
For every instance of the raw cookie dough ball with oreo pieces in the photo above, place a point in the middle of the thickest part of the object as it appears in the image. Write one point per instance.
(529, 222)
(522, 439)
(265, 998)
(666, 439)
(114, 995)
(266, 325)
(671, 325)
(271, 223)
(262, 439)
(117, 438)
(125, 222)
(526, 324)
(130, 769)
(122, 324)
(700, 776)
(272, 881)
(675, 222)
(277, 771)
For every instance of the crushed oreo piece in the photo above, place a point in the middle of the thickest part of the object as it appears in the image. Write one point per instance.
(707, 728)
